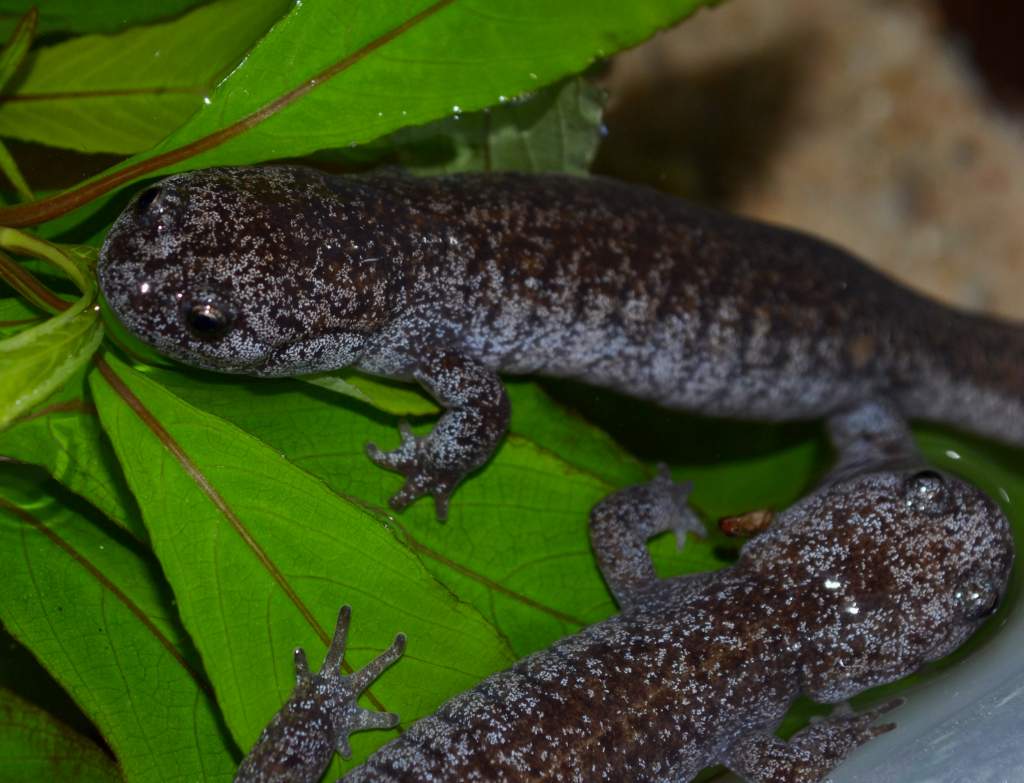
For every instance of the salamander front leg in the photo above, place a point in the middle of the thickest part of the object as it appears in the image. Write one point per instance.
(621, 524)
(301, 739)
(811, 753)
(475, 418)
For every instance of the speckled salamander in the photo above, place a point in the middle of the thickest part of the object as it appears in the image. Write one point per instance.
(448, 281)
(887, 565)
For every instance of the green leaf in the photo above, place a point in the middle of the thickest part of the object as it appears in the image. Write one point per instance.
(261, 555)
(399, 64)
(16, 315)
(94, 16)
(77, 262)
(330, 76)
(123, 93)
(10, 169)
(11, 58)
(516, 543)
(17, 46)
(95, 612)
(400, 399)
(36, 746)
(556, 129)
(37, 361)
(63, 436)
(561, 430)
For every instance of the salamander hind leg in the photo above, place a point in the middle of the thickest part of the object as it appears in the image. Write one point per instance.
(301, 739)
(621, 524)
(811, 753)
(870, 436)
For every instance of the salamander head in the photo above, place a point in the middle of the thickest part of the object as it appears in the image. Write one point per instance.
(244, 270)
(886, 571)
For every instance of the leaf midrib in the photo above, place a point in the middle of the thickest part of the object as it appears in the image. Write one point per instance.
(49, 208)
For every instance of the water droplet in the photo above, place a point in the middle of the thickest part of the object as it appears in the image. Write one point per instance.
(832, 584)
(206, 100)
(502, 99)
(952, 454)
(533, 76)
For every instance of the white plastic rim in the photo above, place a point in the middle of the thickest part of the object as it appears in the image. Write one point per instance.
(967, 724)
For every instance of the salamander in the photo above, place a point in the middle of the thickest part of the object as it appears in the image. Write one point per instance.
(887, 565)
(449, 281)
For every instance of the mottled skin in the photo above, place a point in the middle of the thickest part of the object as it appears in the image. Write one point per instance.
(886, 566)
(302, 738)
(449, 281)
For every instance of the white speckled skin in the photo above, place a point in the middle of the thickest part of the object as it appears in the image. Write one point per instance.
(883, 568)
(452, 280)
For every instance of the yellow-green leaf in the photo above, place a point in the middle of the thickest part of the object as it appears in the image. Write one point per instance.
(37, 361)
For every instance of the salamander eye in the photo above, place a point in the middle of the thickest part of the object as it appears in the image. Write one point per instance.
(978, 599)
(926, 491)
(146, 199)
(207, 320)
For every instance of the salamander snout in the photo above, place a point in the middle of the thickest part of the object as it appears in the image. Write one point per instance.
(167, 282)
(245, 270)
(968, 546)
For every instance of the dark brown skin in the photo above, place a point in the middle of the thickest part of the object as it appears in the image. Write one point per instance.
(886, 566)
(449, 281)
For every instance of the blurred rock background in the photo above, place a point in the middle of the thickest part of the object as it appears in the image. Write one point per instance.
(888, 126)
